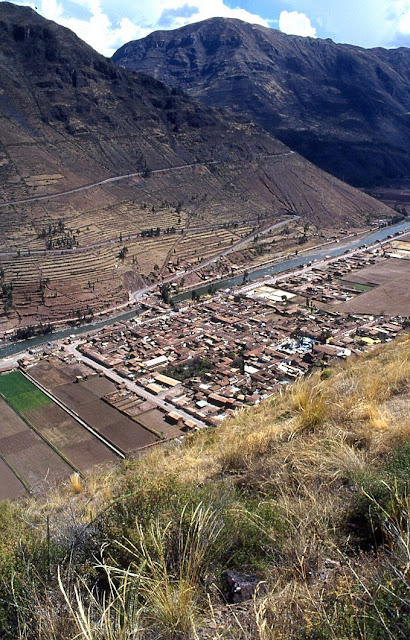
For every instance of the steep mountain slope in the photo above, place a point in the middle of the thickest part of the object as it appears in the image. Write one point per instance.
(70, 106)
(343, 107)
(70, 118)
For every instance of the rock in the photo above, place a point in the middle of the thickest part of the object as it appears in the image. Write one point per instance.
(238, 587)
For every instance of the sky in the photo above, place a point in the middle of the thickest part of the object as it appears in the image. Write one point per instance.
(108, 24)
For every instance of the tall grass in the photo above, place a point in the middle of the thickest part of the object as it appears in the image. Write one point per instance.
(310, 489)
(160, 590)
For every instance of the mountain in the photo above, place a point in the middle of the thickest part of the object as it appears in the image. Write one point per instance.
(345, 108)
(70, 119)
(72, 107)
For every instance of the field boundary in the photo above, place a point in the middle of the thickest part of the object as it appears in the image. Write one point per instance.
(45, 440)
(76, 417)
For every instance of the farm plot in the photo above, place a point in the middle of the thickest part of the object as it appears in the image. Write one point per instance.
(10, 485)
(123, 432)
(77, 445)
(120, 430)
(155, 421)
(20, 393)
(390, 294)
(27, 453)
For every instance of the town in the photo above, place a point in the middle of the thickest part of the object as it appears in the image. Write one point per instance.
(237, 347)
(179, 365)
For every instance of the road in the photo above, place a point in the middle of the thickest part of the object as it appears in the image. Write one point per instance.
(146, 395)
(127, 176)
(135, 295)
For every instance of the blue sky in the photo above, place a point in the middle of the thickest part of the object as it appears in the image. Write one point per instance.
(107, 24)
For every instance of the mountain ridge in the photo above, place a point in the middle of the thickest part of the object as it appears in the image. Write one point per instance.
(70, 117)
(312, 94)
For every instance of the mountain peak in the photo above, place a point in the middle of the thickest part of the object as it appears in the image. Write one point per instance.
(343, 107)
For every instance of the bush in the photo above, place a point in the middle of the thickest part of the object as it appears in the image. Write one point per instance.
(248, 526)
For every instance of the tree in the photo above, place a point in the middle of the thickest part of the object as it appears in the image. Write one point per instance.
(164, 291)
(123, 253)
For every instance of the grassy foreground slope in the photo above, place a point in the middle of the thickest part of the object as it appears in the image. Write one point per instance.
(308, 491)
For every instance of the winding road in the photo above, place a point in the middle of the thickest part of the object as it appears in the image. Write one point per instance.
(127, 176)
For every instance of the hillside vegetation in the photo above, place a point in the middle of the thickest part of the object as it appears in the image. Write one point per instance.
(308, 492)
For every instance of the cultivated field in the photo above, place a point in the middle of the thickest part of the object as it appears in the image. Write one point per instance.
(390, 294)
(20, 393)
(10, 485)
(41, 444)
(124, 433)
(27, 454)
(74, 442)
(155, 421)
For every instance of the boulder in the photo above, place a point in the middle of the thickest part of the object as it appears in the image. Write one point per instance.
(238, 587)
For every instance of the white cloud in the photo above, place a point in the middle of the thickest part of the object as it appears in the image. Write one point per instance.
(297, 24)
(367, 23)
(401, 14)
(108, 24)
(97, 29)
(180, 12)
(404, 24)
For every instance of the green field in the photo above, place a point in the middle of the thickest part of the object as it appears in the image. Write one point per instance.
(361, 287)
(20, 393)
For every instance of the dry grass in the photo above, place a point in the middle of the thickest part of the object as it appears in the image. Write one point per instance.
(76, 483)
(307, 452)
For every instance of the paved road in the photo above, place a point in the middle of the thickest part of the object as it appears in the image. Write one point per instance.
(72, 348)
(127, 176)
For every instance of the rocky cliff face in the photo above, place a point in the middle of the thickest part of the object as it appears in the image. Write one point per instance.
(343, 107)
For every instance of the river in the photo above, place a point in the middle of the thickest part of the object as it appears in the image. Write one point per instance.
(277, 267)
(298, 261)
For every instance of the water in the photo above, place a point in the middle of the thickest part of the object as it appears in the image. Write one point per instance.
(298, 261)
(278, 267)
(23, 345)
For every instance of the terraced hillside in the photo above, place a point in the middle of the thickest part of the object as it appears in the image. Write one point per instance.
(102, 168)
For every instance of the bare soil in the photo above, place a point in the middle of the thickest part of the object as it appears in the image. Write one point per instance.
(390, 296)
(155, 420)
(123, 432)
(27, 453)
(10, 485)
(75, 443)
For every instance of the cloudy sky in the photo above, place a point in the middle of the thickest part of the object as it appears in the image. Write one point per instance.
(107, 24)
